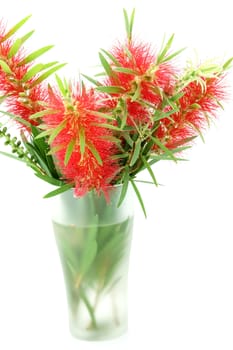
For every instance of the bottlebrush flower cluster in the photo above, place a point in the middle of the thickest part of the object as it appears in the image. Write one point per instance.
(144, 109)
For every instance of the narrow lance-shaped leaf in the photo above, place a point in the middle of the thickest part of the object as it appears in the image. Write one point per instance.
(49, 179)
(57, 131)
(47, 74)
(43, 113)
(17, 118)
(18, 44)
(167, 151)
(31, 57)
(111, 89)
(150, 171)
(124, 113)
(100, 114)
(15, 28)
(138, 196)
(165, 49)
(227, 64)
(106, 65)
(136, 93)
(61, 85)
(82, 141)
(112, 58)
(170, 57)
(33, 71)
(5, 67)
(95, 153)
(129, 23)
(93, 81)
(69, 151)
(125, 185)
(60, 190)
(125, 70)
(136, 152)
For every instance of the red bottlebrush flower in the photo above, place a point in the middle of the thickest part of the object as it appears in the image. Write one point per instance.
(22, 98)
(199, 102)
(89, 165)
(143, 79)
(141, 60)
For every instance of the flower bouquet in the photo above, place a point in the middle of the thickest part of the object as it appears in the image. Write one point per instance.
(91, 140)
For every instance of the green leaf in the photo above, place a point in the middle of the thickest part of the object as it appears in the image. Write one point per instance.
(107, 126)
(128, 139)
(60, 190)
(124, 113)
(62, 86)
(138, 196)
(112, 58)
(33, 71)
(170, 57)
(137, 93)
(43, 113)
(82, 141)
(18, 43)
(167, 151)
(16, 118)
(5, 67)
(125, 185)
(15, 28)
(14, 48)
(111, 89)
(45, 75)
(110, 138)
(136, 152)
(106, 65)
(227, 64)
(100, 114)
(95, 153)
(150, 171)
(34, 55)
(69, 151)
(165, 50)
(55, 149)
(43, 134)
(93, 81)
(49, 179)
(57, 131)
(129, 23)
(125, 70)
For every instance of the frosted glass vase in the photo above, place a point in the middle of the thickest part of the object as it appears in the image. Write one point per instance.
(93, 239)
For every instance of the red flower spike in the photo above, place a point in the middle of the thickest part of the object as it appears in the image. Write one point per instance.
(83, 168)
(196, 104)
(145, 82)
(23, 100)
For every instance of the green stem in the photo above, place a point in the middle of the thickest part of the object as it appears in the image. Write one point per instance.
(89, 308)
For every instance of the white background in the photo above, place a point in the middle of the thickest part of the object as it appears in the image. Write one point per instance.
(181, 269)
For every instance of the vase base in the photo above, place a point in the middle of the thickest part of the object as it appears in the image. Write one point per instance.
(102, 333)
